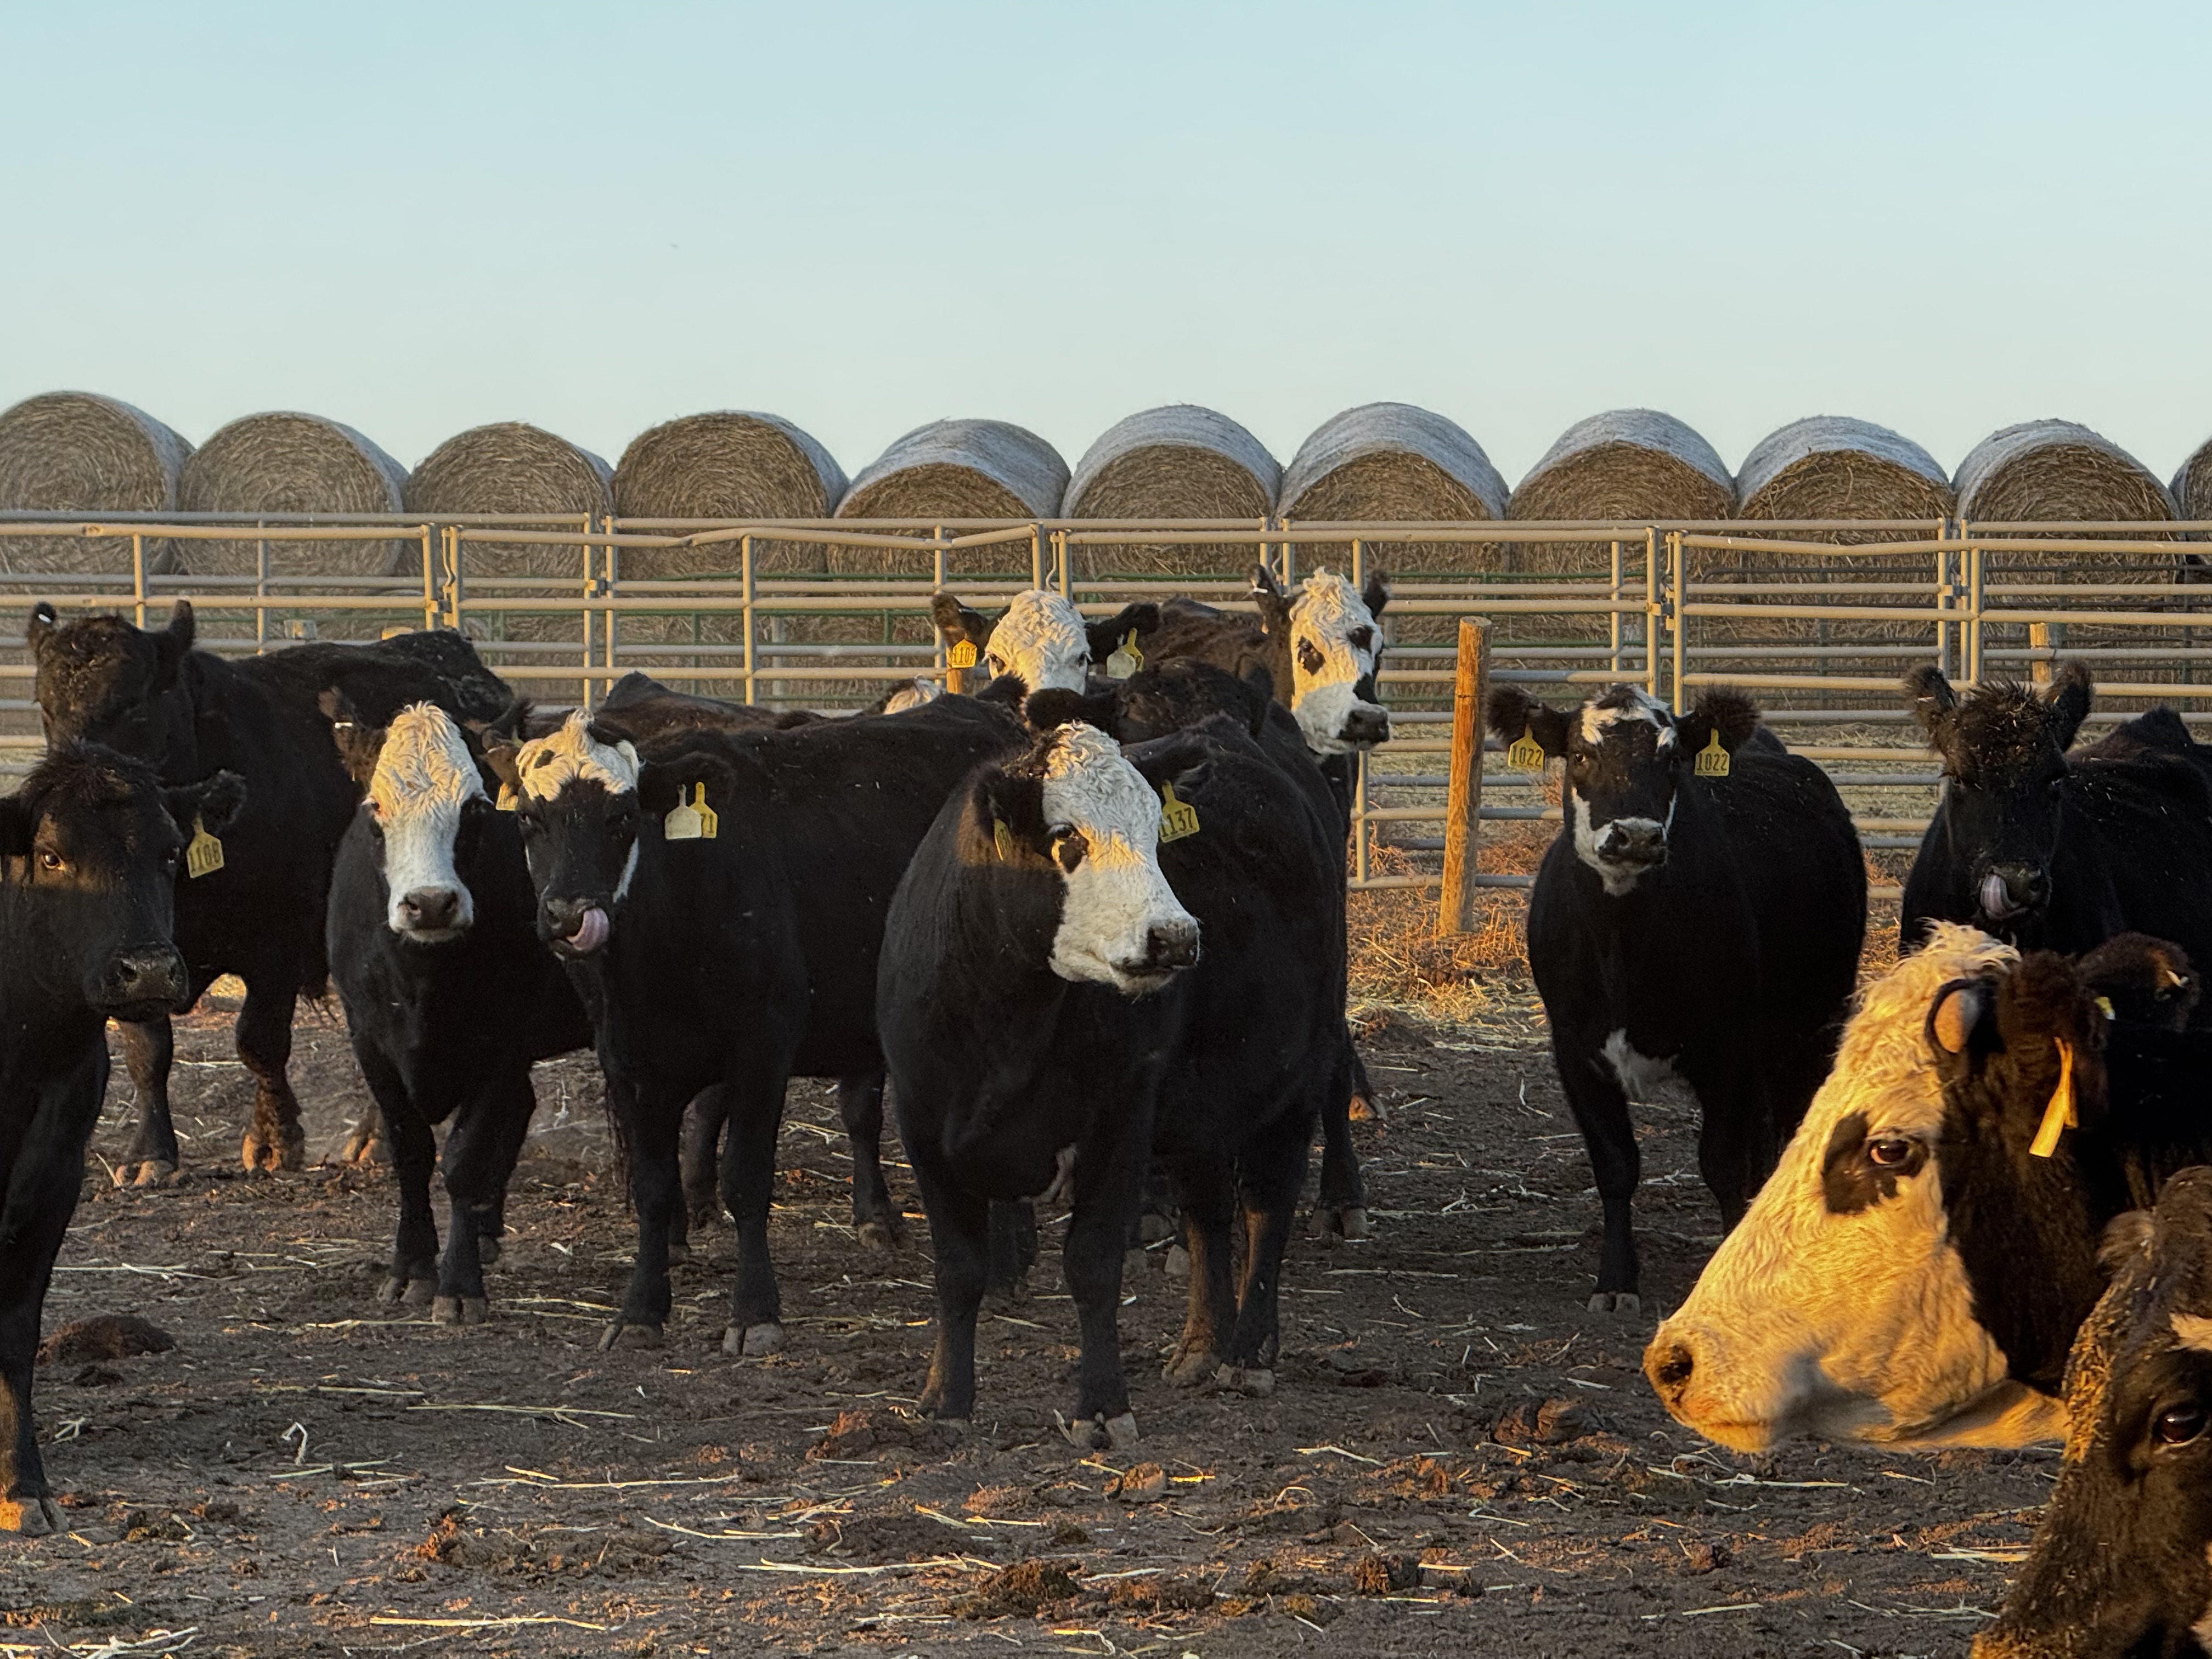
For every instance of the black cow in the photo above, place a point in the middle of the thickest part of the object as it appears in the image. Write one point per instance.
(2056, 852)
(89, 853)
(449, 996)
(740, 959)
(2119, 1567)
(1705, 926)
(259, 914)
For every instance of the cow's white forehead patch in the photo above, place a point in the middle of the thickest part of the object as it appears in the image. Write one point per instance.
(549, 764)
(2193, 1332)
(424, 763)
(1639, 707)
(1089, 784)
(1117, 896)
(1041, 639)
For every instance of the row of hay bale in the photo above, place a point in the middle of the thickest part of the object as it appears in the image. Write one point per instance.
(79, 452)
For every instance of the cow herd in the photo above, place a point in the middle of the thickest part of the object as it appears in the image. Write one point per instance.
(1088, 926)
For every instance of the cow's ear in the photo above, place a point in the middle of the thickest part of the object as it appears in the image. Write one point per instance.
(1015, 801)
(1107, 633)
(212, 803)
(1734, 716)
(19, 826)
(1958, 1011)
(2051, 1034)
(956, 621)
(1929, 695)
(658, 780)
(1056, 706)
(171, 644)
(2141, 978)
(1011, 689)
(1513, 712)
(2072, 689)
(1376, 596)
(1181, 758)
(500, 750)
(40, 634)
(358, 744)
(1274, 604)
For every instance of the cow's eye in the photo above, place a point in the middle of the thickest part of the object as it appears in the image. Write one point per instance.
(1890, 1150)
(1068, 846)
(1309, 657)
(50, 860)
(995, 662)
(2178, 1425)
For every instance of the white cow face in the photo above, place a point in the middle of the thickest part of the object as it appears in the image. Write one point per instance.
(1838, 1306)
(421, 797)
(1336, 645)
(1041, 639)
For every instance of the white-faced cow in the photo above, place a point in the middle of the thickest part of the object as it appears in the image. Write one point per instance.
(1705, 926)
(449, 996)
(1920, 1261)
(252, 906)
(2119, 1566)
(90, 847)
(2054, 851)
(738, 959)
(1040, 639)
(1059, 990)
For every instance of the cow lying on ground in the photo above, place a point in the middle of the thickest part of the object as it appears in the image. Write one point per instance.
(2119, 1563)
(90, 847)
(258, 912)
(1925, 1251)
(448, 995)
(1705, 927)
(2054, 851)
(740, 959)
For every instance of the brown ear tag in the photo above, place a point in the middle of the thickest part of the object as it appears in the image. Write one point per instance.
(1712, 760)
(687, 821)
(202, 854)
(1178, 818)
(1525, 754)
(962, 655)
(1002, 839)
(1127, 660)
(2059, 1114)
(506, 797)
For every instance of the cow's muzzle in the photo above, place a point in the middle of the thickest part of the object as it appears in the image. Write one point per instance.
(1170, 947)
(2009, 891)
(575, 926)
(431, 913)
(1366, 725)
(142, 984)
(1633, 841)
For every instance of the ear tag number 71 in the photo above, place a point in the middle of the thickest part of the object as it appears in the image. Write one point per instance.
(687, 821)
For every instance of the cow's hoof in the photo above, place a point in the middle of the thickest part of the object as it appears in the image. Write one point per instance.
(29, 1517)
(1617, 1302)
(1355, 1222)
(1256, 1381)
(1178, 1264)
(879, 1235)
(362, 1146)
(625, 1333)
(1100, 1433)
(152, 1172)
(753, 1341)
(679, 1255)
(457, 1310)
(1011, 1294)
(1188, 1370)
(414, 1292)
(286, 1153)
(1362, 1110)
(488, 1249)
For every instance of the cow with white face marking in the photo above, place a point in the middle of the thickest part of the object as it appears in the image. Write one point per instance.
(1916, 1266)
(2120, 1565)
(735, 960)
(449, 997)
(1040, 639)
(1706, 927)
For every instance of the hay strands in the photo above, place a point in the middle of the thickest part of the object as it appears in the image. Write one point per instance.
(567, 1414)
(539, 1480)
(511, 1621)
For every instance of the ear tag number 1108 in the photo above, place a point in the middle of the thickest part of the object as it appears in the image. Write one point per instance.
(202, 854)
(687, 821)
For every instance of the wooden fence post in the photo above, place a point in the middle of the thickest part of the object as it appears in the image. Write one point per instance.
(1463, 805)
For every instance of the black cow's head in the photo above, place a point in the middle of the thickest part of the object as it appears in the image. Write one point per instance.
(101, 680)
(2003, 749)
(1179, 694)
(92, 842)
(1041, 639)
(2118, 1566)
(577, 802)
(1628, 759)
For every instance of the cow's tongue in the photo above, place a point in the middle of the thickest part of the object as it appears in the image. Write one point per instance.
(1997, 897)
(591, 932)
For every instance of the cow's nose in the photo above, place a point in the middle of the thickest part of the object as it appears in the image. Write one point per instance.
(563, 916)
(1669, 1366)
(433, 908)
(2009, 890)
(1365, 725)
(1635, 843)
(1170, 945)
(144, 976)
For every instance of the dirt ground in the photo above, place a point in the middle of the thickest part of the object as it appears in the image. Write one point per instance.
(1458, 1458)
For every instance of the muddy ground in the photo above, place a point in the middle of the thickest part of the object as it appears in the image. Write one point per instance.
(1458, 1458)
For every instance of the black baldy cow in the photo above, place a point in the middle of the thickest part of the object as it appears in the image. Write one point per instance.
(2054, 851)
(1702, 926)
(256, 909)
(2120, 1564)
(89, 851)
(1041, 639)
(448, 995)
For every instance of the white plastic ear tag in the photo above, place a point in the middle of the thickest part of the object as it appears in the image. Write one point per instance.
(1712, 759)
(962, 655)
(1178, 818)
(1525, 754)
(2059, 1114)
(689, 822)
(1002, 838)
(203, 853)
(1127, 660)
(507, 800)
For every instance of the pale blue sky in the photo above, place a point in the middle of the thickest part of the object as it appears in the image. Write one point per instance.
(418, 217)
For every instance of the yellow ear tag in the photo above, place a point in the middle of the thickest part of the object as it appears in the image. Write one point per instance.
(1525, 754)
(962, 655)
(1712, 759)
(1127, 660)
(1178, 818)
(1002, 838)
(506, 802)
(203, 853)
(687, 822)
(2105, 1007)
(2059, 1114)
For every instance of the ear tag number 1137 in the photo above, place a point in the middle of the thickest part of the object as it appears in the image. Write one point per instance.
(1178, 818)
(687, 821)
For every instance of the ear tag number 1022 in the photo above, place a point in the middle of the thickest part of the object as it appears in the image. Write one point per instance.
(1712, 759)
(1525, 754)
(687, 821)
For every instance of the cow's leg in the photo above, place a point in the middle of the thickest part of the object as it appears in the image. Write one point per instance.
(480, 1152)
(1205, 1197)
(1341, 1212)
(702, 1161)
(1601, 1112)
(414, 1276)
(515, 1104)
(1012, 1251)
(1736, 1133)
(1362, 1107)
(1270, 1173)
(152, 1158)
(40, 1198)
(365, 1141)
(265, 1043)
(1109, 1184)
(860, 1104)
(959, 1243)
(656, 1193)
(755, 1325)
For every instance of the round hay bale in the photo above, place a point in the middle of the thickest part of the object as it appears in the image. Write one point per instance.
(1830, 466)
(1177, 462)
(727, 464)
(2192, 486)
(1394, 461)
(2056, 470)
(954, 470)
(291, 463)
(1638, 465)
(70, 452)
